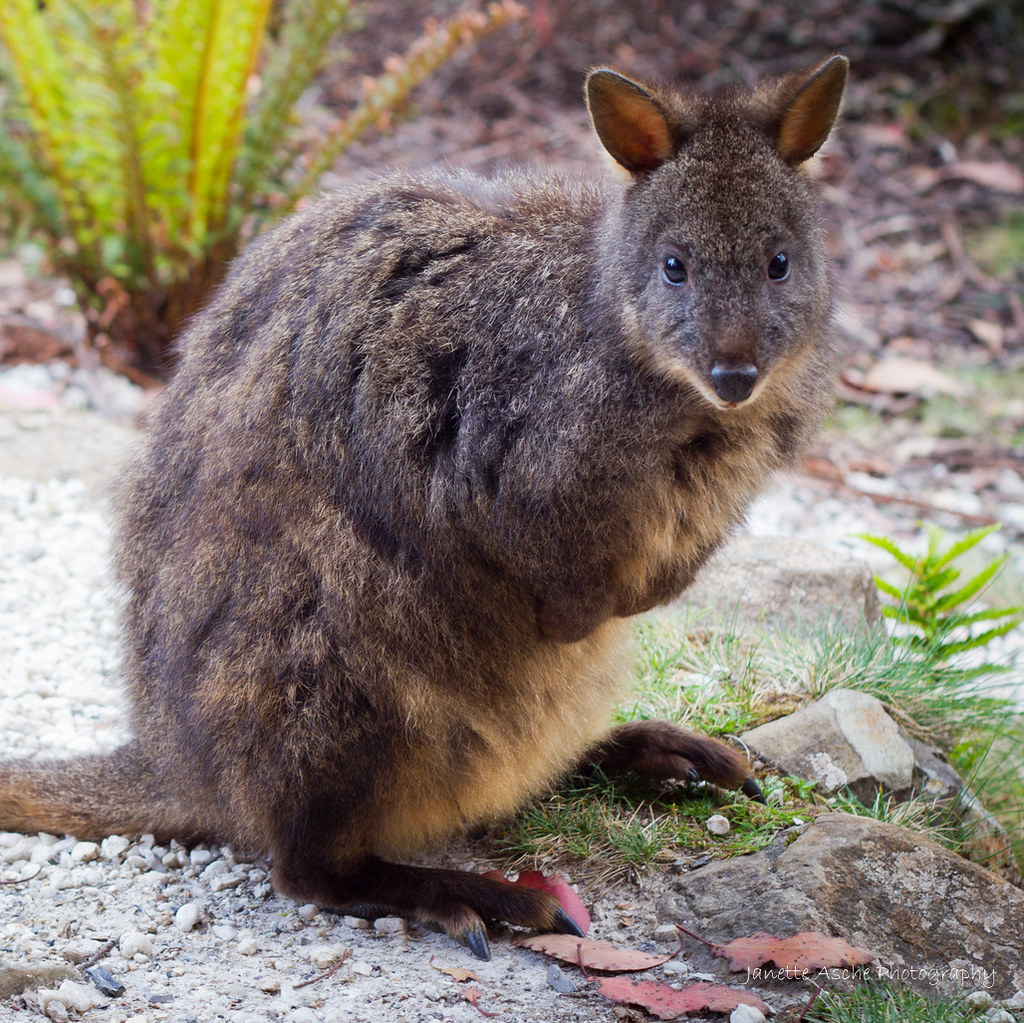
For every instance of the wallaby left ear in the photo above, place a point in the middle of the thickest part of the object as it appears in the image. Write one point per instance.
(629, 121)
(808, 117)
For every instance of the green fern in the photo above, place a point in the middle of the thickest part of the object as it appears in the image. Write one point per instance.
(936, 604)
(141, 140)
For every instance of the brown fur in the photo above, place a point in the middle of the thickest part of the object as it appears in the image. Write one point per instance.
(433, 442)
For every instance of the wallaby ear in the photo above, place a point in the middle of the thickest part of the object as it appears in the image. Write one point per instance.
(808, 117)
(629, 121)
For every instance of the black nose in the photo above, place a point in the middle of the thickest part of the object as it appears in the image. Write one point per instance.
(733, 383)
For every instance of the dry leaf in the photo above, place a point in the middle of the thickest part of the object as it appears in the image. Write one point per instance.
(460, 975)
(797, 954)
(594, 955)
(989, 334)
(553, 885)
(995, 174)
(898, 374)
(667, 1002)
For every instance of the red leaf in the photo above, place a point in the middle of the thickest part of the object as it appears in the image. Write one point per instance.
(667, 1002)
(553, 885)
(594, 955)
(472, 994)
(797, 954)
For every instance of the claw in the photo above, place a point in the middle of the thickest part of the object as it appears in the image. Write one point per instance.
(752, 790)
(565, 924)
(476, 940)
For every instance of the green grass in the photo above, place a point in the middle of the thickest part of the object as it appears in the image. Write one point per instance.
(883, 1003)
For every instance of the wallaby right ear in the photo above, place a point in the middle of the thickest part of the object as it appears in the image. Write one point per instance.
(808, 117)
(629, 121)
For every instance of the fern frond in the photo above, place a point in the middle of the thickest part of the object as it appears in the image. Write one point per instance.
(292, 61)
(387, 96)
(233, 40)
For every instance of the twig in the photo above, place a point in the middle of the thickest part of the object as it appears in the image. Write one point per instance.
(102, 951)
(330, 969)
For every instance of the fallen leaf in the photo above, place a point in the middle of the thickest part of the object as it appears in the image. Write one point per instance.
(553, 885)
(594, 955)
(460, 975)
(667, 1002)
(472, 995)
(989, 334)
(797, 954)
(995, 174)
(901, 375)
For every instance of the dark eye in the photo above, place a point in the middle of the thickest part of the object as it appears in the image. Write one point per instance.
(673, 269)
(778, 267)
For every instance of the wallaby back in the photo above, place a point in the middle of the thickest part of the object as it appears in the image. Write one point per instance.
(434, 440)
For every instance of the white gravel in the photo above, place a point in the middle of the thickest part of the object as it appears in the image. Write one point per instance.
(199, 934)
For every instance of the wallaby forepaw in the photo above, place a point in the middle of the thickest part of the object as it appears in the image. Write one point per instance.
(659, 750)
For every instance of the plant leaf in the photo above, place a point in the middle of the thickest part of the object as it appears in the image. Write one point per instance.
(667, 1002)
(594, 955)
(807, 950)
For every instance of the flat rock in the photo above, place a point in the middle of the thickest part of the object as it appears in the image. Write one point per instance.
(844, 739)
(933, 920)
(18, 977)
(783, 584)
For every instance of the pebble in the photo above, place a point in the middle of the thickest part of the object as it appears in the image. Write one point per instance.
(718, 825)
(746, 1014)
(270, 985)
(979, 1000)
(307, 912)
(248, 946)
(135, 943)
(390, 925)
(666, 932)
(85, 852)
(559, 981)
(356, 923)
(303, 1015)
(187, 916)
(325, 956)
(200, 857)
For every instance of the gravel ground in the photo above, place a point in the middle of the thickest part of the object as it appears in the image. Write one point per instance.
(202, 936)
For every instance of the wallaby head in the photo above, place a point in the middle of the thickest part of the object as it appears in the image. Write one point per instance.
(713, 254)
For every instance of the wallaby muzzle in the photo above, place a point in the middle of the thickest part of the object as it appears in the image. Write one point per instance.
(733, 383)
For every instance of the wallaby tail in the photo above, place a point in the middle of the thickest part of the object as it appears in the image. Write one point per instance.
(90, 797)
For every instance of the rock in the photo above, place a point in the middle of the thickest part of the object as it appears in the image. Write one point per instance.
(104, 982)
(746, 1014)
(356, 922)
(135, 943)
(718, 825)
(270, 985)
(785, 584)
(200, 857)
(390, 925)
(56, 1011)
(559, 981)
(325, 956)
(307, 912)
(844, 739)
(187, 916)
(85, 852)
(248, 946)
(78, 951)
(79, 997)
(15, 978)
(931, 917)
